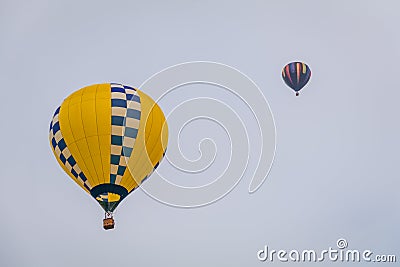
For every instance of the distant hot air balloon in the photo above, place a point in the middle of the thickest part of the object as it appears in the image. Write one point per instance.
(108, 138)
(296, 75)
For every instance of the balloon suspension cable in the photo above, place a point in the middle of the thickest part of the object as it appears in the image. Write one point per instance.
(297, 93)
(108, 214)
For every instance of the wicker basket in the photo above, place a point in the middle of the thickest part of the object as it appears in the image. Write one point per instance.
(108, 223)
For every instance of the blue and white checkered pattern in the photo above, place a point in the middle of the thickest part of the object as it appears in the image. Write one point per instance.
(125, 117)
(62, 152)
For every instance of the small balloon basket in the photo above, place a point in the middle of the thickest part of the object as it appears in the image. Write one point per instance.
(108, 222)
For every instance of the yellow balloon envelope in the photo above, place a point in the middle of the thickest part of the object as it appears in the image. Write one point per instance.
(108, 138)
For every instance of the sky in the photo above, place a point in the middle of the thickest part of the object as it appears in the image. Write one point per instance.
(335, 173)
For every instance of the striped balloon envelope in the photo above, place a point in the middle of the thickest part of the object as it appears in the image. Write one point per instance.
(296, 75)
(108, 138)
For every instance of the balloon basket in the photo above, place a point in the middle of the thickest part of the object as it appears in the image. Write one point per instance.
(108, 223)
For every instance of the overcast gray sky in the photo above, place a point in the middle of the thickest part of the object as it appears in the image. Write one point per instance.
(335, 173)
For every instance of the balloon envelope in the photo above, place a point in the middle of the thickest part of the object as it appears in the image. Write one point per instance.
(296, 75)
(108, 138)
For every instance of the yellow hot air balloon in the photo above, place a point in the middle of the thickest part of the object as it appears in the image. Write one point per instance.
(108, 138)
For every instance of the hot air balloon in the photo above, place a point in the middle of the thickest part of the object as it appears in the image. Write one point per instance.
(108, 138)
(296, 75)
